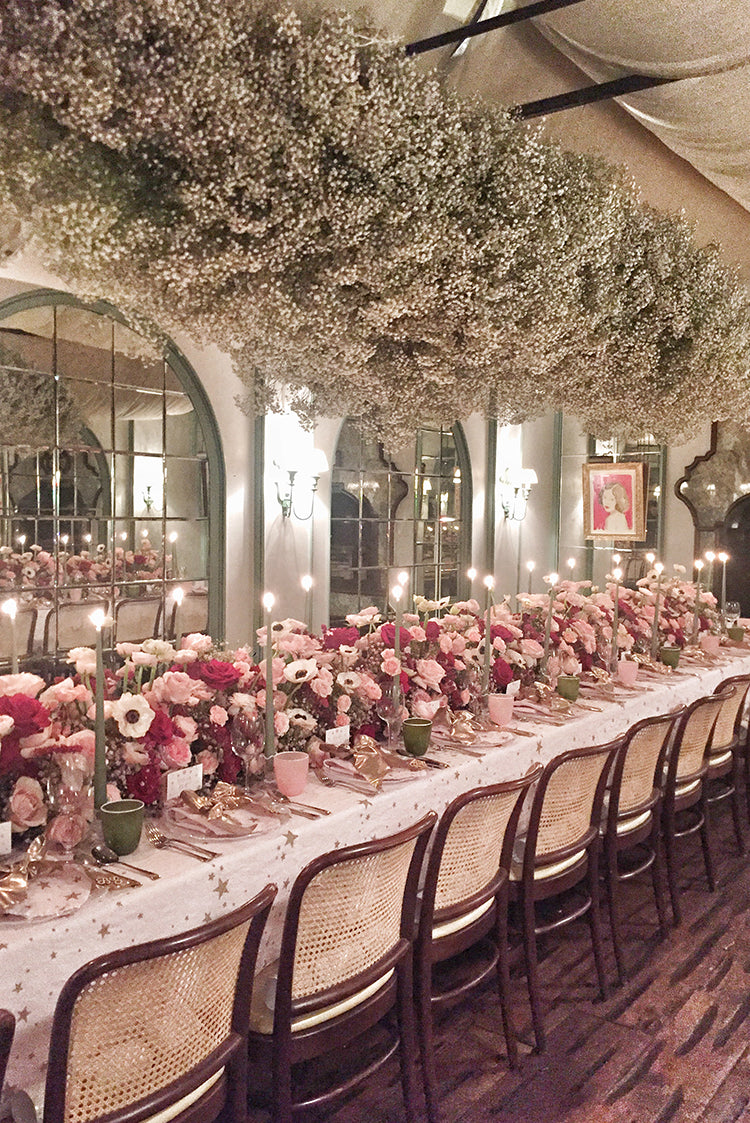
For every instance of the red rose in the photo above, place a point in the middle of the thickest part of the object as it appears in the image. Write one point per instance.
(219, 675)
(161, 729)
(29, 716)
(333, 638)
(502, 673)
(388, 636)
(145, 784)
(432, 630)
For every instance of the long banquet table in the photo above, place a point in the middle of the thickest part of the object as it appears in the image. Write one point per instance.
(36, 959)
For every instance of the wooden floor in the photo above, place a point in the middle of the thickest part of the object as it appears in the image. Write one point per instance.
(673, 1044)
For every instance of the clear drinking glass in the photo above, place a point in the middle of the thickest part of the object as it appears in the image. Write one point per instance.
(389, 711)
(247, 743)
(732, 613)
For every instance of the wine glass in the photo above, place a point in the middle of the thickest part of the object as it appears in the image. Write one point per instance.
(732, 613)
(247, 743)
(389, 711)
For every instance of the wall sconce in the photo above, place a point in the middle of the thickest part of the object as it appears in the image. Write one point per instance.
(312, 467)
(515, 488)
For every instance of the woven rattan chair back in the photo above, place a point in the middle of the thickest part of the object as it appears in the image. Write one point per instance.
(564, 800)
(7, 1030)
(641, 760)
(350, 918)
(693, 735)
(730, 715)
(129, 1025)
(475, 831)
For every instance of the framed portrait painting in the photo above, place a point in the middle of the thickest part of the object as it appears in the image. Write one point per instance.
(614, 500)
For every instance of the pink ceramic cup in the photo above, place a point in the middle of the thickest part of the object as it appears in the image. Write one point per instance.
(627, 671)
(501, 708)
(709, 643)
(290, 770)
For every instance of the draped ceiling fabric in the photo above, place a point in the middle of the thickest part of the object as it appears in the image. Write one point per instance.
(704, 117)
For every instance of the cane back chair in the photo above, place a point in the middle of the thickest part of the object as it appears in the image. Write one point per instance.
(465, 903)
(7, 1030)
(159, 1030)
(726, 751)
(560, 852)
(345, 963)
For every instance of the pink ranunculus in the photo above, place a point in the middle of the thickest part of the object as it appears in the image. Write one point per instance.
(209, 760)
(473, 635)
(26, 805)
(176, 753)
(322, 684)
(144, 659)
(343, 704)
(186, 726)
(197, 642)
(66, 830)
(26, 684)
(83, 740)
(281, 723)
(218, 715)
(458, 645)
(185, 656)
(390, 665)
(172, 688)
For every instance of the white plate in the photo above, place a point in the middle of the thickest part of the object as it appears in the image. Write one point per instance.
(54, 893)
(195, 826)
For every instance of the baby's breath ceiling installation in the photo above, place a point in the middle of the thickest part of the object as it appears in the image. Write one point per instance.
(284, 183)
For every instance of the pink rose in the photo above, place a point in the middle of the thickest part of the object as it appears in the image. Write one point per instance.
(344, 703)
(417, 633)
(27, 807)
(173, 687)
(445, 643)
(26, 684)
(176, 753)
(427, 710)
(66, 830)
(281, 723)
(187, 727)
(322, 684)
(134, 754)
(113, 793)
(197, 642)
(218, 715)
(209, 760)
(430, 672)
(458, 645)
(66, 691)
(390, 664)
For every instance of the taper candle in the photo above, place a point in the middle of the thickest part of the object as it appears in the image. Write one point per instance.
(710, 558)
(269, 740)
(307, 584)
(10, 608)
(97, 618)
(617, 574)
(723, 558)
(552, 582)
(530, 566)
(659, 569)
(178, 595)
(396, 594)
(489, 584)
(173, 543)
(696, 607)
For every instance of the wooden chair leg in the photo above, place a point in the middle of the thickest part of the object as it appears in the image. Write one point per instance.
(735, 801)
(503, 981)
(281, 1093)
(595, 924)
(423, 999)
(532, 973)
(408, 1039)
(705, 833)
(657, 877)
(669, 847)
(613, 885)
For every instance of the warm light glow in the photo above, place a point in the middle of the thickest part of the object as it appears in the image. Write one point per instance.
(617, 574)
(402, 578)
(144, 534)
(552, 578)
(659, 567)
(178, 595)
(124, 536)
(710, 556)
(64, 539)
(616, 559)
(397, 592)
(10, 608)
(307, 582)
(22, 540)
(269, 600)
(571, 564)
(698, 563)
(471, 574)
(489, 581)
(723, 558)
(531, 566)
(650, 557)
(172, 537)
(97, 618)
(87, 539)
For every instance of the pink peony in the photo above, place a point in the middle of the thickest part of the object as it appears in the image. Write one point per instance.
(176, 753)
(281, 723)
(198, 643)
(26, 806)
(430, 673)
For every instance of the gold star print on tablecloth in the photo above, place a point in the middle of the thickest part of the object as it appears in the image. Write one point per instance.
(222, 887)
(104, 930)
(291, 838)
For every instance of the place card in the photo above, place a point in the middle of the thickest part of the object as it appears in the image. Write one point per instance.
(338, 736)
(6, 843)
(513, 687)
(182, 780)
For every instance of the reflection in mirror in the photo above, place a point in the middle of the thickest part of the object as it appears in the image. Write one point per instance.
(103, 483)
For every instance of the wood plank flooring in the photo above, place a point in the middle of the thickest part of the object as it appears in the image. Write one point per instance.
(670, 1046)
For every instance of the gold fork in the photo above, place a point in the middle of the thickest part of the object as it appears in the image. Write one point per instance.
(160, 841)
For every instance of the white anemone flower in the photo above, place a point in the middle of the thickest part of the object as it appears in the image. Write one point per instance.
(133, 715)
(300, 670)
(302, 719)
(350, 680)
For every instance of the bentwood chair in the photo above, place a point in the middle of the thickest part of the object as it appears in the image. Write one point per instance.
(345, 963)
(7, 1030)
(159, 1030)
(137, 619)
(685, 790)
(632, 822)
(561, 852)
(726, 751)
(465, 904)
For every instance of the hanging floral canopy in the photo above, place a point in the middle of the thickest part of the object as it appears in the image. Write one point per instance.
(284, 183)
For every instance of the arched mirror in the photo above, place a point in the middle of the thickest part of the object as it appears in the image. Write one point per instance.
(111, 482)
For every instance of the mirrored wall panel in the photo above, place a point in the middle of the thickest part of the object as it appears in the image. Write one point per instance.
(104, 485)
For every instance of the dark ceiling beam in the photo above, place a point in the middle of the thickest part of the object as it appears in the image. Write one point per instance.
(480, 27)
(618, 87)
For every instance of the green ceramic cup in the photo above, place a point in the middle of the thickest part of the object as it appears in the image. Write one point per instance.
(737, 634)
(416, 733)
(670, 656)
(122, 821)
(568, 687)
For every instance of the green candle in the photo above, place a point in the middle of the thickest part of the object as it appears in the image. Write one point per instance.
(696, 610)
(659, 568)
(489, 584)
(100, 748)
(552, 579)
(269, 743)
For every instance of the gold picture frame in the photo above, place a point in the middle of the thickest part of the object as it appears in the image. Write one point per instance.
(614, 500)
